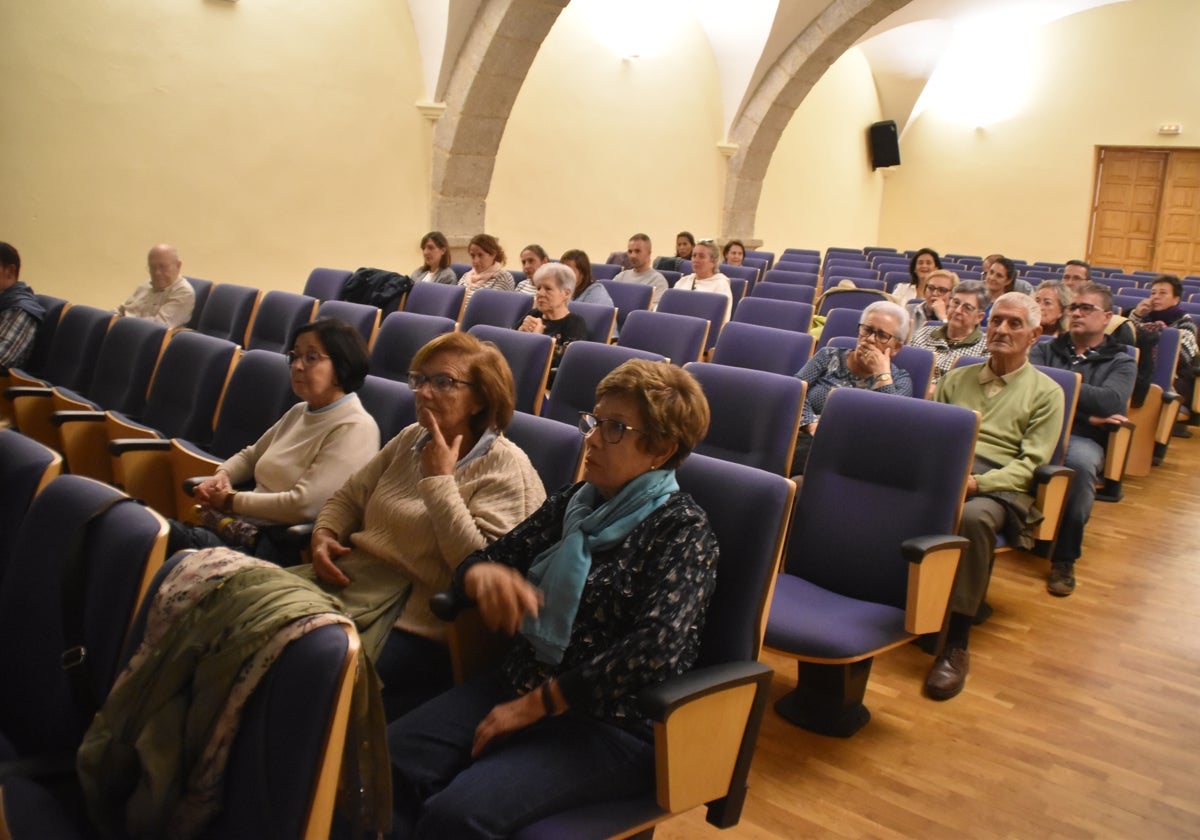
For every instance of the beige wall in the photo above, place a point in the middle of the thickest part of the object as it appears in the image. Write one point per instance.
(599, 147)
(261, 138)
(820, 189)
(1024, 186)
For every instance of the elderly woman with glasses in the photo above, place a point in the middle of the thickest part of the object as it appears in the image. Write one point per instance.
(444, 487)
(931, 303)
(961, 335)
(606, 589)
(300, 461)
(920, 268)
(881, 330)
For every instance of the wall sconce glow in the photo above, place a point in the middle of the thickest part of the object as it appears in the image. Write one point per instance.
(988, 73)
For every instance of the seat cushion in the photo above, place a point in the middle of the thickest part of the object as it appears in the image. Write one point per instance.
(814, 622)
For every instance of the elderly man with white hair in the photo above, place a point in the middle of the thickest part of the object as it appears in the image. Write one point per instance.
(882, 328)
(167, 297)
(1021, 418)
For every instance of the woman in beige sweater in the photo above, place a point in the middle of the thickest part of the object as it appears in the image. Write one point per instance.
(443, 488)
(300, 461)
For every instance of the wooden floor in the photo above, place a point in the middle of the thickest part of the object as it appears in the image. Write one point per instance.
(1080, 718)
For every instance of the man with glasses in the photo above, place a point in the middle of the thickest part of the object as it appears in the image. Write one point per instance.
(961, 334)
(167, 297)
(1108, 373)
(1021, 418)
(1077, 274)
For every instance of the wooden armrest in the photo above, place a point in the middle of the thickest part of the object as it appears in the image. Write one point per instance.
(706, 727)
(932, 564)
(1116, 453)
(58, 418)
(120, 446)
(16, 391)
(1051, 482)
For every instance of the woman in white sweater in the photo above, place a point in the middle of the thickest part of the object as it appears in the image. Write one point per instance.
(300, 461)
(705, 277)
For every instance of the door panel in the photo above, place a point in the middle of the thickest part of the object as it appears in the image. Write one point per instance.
(1179, 229)
(1125, 219)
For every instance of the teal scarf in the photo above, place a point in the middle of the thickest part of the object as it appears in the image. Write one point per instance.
(589, 524)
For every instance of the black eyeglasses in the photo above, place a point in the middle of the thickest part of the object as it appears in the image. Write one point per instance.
(442, 382)
(611, 430)
(1085, 308)
(306, 359)
(937, 290)
(870, 332)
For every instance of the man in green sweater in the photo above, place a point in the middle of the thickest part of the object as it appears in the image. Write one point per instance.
(1021, 413)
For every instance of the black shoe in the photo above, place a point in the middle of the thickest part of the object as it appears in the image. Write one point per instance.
(1062, 579)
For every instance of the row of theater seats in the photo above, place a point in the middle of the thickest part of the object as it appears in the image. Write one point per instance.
(841, 448)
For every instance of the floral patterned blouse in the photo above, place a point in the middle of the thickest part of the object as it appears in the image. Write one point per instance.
(640, 614)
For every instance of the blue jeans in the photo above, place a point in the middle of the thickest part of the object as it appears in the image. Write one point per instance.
(1086, 457)
(552, 766)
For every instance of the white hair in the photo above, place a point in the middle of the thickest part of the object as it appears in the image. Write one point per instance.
(1033, 312)
(563, 275)
(893, 310)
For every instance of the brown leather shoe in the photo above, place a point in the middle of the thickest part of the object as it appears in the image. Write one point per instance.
(948, 674)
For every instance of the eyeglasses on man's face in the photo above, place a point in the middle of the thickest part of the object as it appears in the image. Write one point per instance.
(306, 359)
(443, 383)
(955, 303)
(1085, 308)
(611, 430)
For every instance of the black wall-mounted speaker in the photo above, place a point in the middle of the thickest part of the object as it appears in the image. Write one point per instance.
(885, 144)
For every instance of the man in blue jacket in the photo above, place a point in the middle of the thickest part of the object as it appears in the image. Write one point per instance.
(1108, 373)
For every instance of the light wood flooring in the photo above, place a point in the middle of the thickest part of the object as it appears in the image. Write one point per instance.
(1080, 718)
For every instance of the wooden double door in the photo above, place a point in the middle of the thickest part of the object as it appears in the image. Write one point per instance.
(1146, 211)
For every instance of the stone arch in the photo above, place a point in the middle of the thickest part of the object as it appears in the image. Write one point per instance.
(487, 76)
(769, 109)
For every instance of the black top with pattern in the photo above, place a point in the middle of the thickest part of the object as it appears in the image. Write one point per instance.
(640, 614)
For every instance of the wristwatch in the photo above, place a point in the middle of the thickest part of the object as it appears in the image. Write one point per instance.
(883, 379)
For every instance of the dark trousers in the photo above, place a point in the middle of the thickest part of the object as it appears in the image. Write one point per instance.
(551, 766)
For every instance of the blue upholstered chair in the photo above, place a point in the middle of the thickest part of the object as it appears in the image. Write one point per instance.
(583, 365)
(276, 317)
(849, 299)
(605, 271)
(748, 273)
(401, 335)
(201, 289)
(707, 305)
(805, 253)
(769, 256)
(795, 292)
(1155, 417)
(436, 299)
(326, 283)
(71, 359)
(495, 307)
(839, 322)
(755, 415)
(554, 448)
(792, 277)
(123, 367)
(362, 316)
(282, 772)
(599, 317)
(54, 308)
(769, 312)
(26, 467)
(627, 297)
(704, 755)
(80, 560)
(853, 585)
(182, 402)
(228, 312)
(762, 348)
(528, 356)
(390, 402)
(833, 278)
(680, 338)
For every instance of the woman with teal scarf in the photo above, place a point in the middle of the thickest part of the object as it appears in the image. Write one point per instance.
(606, 588)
